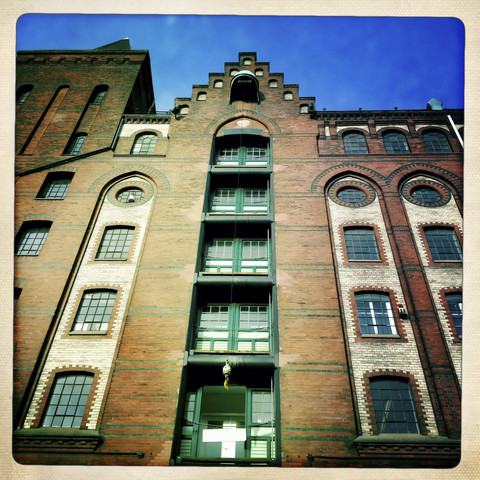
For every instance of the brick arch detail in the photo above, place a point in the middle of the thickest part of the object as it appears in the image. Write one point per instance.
(215, 125)
(344, 169)
(152, 175)
(402, 174)
(414, 388)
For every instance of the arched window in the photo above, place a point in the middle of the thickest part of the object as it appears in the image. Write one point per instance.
(201, 96)
(76, 143)
(395, 142)
(244, 150)
(184, 110)
(31, 237)
(259, 72)
(375, 314)
(22, 93)
(303, 108)
(217, 84)
(436, 142)
(144, 144)
(94, 311)
(355, 143)
(288, 96)
(244, 87)
(247, 61)
(98, 95)
(273, 84)
(233, 72)
(393, 405)
(67, 401)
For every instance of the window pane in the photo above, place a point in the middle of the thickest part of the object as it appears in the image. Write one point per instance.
(351, 195)
(393, 416)
(454, 301)
(395, 143)
(361, 244)
(144, 144)
(375, 313)
(443, 244)
(98, 316)
(436, 142)
(61, 408)
(31, 240)
(355, 143)
(426, 195)
(115, 243)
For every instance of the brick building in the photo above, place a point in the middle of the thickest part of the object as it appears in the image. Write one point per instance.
(241, 280)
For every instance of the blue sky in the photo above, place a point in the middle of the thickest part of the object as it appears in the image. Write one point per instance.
(345, 62)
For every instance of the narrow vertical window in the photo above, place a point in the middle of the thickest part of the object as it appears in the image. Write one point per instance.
(22, 93)
(67, 401)
(454, 302)
(98, 95)
(94, 311)
(75, 145)
(393, 405)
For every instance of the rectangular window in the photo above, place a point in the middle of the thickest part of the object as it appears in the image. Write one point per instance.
(375, 314)
(242, 150)
(361, 243)
(67, 401)
(230, 200)
(443, 244)
(31, 238)
(237, 256)
(238, 424)
(55, 186)
(454, 301)
(233, 327)
(94, 311)
(115, 243)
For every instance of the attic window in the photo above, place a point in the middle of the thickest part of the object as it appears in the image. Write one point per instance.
(303, 108)
(244, 87)
(288, 96)
(259, 72)
(183, 110)
(202, 96)
(218, 84)
(247, 61)
(233, 72)
(273, 84)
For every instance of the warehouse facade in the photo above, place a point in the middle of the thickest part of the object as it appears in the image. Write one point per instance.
(243, 280)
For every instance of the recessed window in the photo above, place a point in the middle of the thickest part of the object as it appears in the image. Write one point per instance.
(242, 150)
(273, 84)
(231, 200)
(75, 145)
(361, 243)
(303, 108)
(184, 110)
(454, 302)
(247, 61)
(31, 238)
(436, 142)
(67, 401)
(130, 195)
(115, 243)
(395, 142)
(355, 143)
(55, 186)
(375, 314)
(23, 92)
(288, 96)
(201, 97)
(237, 255)
(233, 72)
(98, 95)
(443, 244)
(425, 194)
(233, 327)
(393, 405)
(259, 72)
(94, 311)
(351, 195)
(217, 84)
(144, 144)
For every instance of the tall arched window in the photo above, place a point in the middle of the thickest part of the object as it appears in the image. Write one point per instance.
(144, 144)
(393, 405)
(98, 95)
(23, 92)
(395, 142)
(75, 145)
(436, 142)
(354, 143)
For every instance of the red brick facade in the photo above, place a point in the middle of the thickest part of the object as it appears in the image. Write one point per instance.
(285, 320)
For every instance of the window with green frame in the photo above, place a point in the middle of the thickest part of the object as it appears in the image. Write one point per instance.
(238, 424)
(242, 150)
(239, 200)
(233, 327)
(237, 255)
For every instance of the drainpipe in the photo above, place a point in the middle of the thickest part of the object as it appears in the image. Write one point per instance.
(460, 139)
